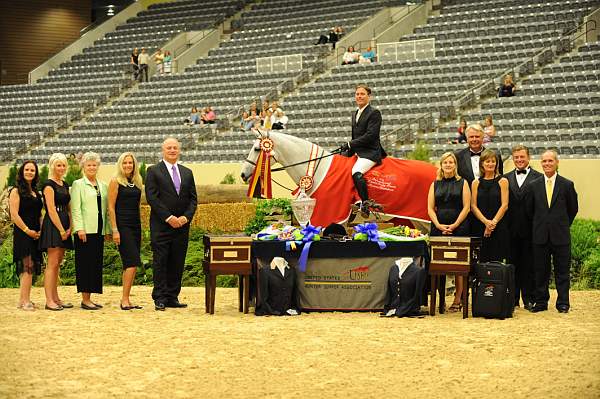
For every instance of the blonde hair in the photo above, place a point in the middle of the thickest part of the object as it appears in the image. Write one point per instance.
(54, 158)
(446, 155)
(120, 176)
(485, 155)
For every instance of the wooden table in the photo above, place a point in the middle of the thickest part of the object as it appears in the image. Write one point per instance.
(225, 255)
(452, 255)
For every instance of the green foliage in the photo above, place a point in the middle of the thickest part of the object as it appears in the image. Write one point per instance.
(228, 179)
(266, 208)
(8, 272)
(75, 172)
(421, 152)
(11, 179)
(143, 171)
(43, 176)
(585, 253)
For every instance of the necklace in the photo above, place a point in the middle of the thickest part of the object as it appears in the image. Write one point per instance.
(130, 185)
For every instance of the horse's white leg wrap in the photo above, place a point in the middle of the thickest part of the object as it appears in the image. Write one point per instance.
(362, 165)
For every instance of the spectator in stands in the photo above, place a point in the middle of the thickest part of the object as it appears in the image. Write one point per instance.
(350, 56)
(267, 119)
(252, 120)
(253, 107)
(79, 156)
(194, 117)
(72, 158)
(143, 60)
(507, 88)
(124, 193)
(333, 37)
(279, 120)
(243, 119)
(209, 117)
(461, 132)
(167, 62)
(274, 106)
(159, 58)
(489, 130)
(323, 39)
(369, 54)
(25, 207)
(134, 63)
(265, 106)
(56, 228)
(89, 208)
(339, 31)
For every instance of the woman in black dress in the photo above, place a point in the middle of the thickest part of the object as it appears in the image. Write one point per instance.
(448, 205)
(89, 210)
(489, 203)
(25, 203)
(56, 228)
(124, 193)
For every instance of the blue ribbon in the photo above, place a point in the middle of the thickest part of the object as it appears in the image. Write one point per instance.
(309, 233)
(370, 229)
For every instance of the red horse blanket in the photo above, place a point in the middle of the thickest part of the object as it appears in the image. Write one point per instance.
(401, 186)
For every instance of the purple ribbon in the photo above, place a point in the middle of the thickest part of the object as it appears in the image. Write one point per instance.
(370, 229)
(309, 233)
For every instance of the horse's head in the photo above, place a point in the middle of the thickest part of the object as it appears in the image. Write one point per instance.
(250, 161)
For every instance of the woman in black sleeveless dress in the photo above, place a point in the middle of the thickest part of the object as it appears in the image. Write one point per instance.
(489, 203)
(448, 206)
(25, 204)
(56, 228)
(124, 194)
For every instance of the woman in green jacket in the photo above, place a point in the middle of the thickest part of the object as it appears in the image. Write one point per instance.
(89, 205)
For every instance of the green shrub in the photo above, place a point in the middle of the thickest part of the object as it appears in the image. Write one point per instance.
(421, 152)
(590, 271)
(11, 179)
(43, 176)
(228, 179)
(584, 236)
(75, 172)
(8, 273)
(265, 208)
(143, 171)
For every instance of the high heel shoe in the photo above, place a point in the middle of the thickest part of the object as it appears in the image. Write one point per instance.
(455, 307)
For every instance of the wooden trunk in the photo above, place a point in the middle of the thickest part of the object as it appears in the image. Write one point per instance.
(453, 254)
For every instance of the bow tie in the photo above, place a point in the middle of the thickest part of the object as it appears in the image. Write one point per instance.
(475, 154)
(524, 171)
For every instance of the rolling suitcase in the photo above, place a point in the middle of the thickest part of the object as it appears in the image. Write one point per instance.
(493, 290)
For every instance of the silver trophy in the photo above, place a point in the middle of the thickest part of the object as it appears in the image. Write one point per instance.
(303, 207)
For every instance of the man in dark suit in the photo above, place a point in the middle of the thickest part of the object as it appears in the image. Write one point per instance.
(553, 206)
(468, 158)
(171, 194)
(520, 225)
(366, 123)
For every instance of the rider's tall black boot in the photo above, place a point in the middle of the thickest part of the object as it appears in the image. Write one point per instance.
(361, 187)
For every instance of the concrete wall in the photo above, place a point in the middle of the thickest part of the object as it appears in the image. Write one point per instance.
(578, 170)
(594, 17)
(84, 41)
(407, 22)
(198, 49)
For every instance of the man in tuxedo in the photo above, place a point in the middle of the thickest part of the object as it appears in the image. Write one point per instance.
(553, 205)
(520, 225)
(468, 158)
(171, 194)
(366, 123)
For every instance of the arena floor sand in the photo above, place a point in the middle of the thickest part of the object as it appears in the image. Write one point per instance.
(184, 353)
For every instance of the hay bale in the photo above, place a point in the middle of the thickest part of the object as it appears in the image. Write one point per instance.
(228, 218)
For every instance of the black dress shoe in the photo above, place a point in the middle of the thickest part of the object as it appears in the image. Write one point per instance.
(562, 308)
(528, 306)
(538, 308)
(159, 306)
(88, 307)
(176, 304)
(98, 305)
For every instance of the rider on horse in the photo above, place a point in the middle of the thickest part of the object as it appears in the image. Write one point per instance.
(366, 122)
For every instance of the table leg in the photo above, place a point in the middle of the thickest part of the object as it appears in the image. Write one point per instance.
(246, 293)
(433, 295)
(465, 296)
(213, 291)
(207, 293)
(442, 289)
(240, 292)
